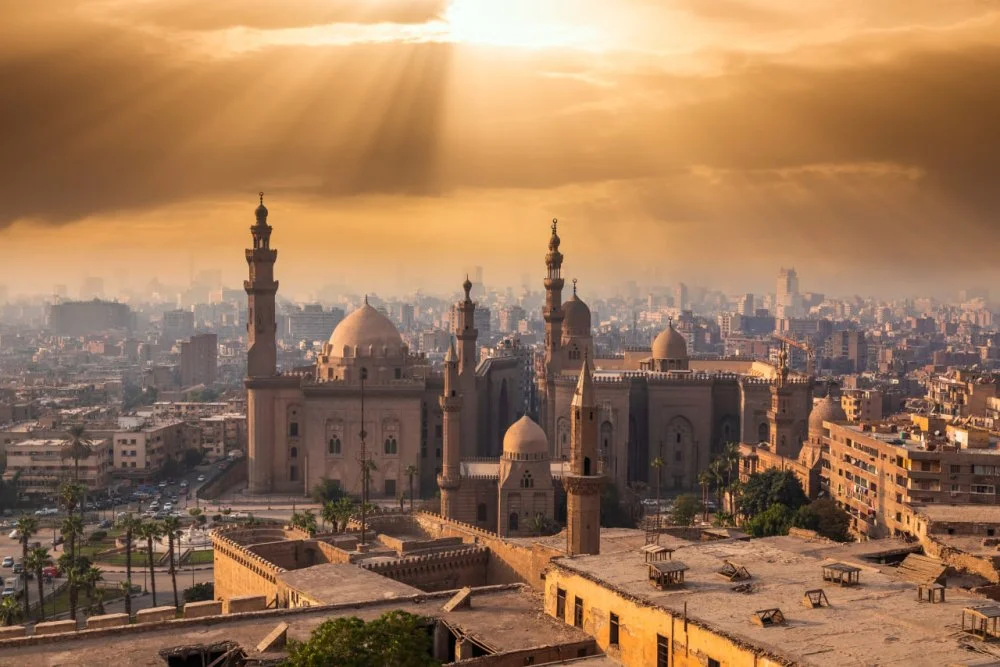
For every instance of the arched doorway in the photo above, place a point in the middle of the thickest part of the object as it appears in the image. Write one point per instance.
(512, 522)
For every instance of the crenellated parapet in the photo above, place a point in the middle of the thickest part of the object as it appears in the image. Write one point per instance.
(227, 546)
(416, 566)
(468, 527)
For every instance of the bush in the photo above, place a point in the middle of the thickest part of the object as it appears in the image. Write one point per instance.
(825, 518)
(772, 487)
(776, 520)
(395, 638)
(97, 536)
(686, 508)
(200, 592)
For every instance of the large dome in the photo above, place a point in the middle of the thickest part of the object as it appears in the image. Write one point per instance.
(577, 317)
(670, 345)
(365, 329)
(826, 410)
(525, 437)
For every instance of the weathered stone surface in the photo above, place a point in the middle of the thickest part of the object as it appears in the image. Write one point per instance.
(206, 608)
(155, 615)
(13, 631)
(54, 627)
(245, 603)
(107, 621)
(275, 639)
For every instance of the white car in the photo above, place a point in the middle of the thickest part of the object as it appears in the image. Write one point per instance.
(14, 535)
(167, 507)
(8, 561)
(201, 478)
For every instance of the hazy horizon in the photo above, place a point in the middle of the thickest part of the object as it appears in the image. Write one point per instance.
(401, 142)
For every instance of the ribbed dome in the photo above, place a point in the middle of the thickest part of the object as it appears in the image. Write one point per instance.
(670, 345)
(366, 327)
(826, 409)
(525, 437)
(577, 317)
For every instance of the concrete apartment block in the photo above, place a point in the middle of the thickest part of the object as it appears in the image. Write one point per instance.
(155, 615)
(107, 621)
(206, 608)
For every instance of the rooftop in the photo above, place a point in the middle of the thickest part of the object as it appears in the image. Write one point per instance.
(341, 583)
(878, 617)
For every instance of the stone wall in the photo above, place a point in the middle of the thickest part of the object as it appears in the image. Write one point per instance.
(536, 656)
(235, 474)
(443, 571)
(239, 572)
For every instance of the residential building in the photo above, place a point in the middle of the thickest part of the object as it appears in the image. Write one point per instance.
(141, 451)
(80, 318)
(38, 466)
(862, 405)
(199, 360)
(223, 433)
(177, 325)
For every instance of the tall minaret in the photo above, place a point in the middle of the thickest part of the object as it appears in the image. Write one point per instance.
(467, 335)
(584, 479)
(781, 416)
(262, 327)
(451, 406)
(553, 297)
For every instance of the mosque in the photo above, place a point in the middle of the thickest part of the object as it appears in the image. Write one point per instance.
(370, 398)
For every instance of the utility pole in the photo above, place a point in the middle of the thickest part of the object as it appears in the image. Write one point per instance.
(364, 457)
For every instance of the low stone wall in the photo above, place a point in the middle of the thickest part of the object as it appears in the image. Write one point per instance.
(156, 614)
(13, 631)
(244, 603)
(235, 474)
(206, 608)
(985, 566)
(54, 627)
(443, 571)
(536, 656)
(406, 546)
(107, 621)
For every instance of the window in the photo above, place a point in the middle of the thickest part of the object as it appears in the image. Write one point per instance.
(390, 488)
(985, 489)
(399, 373)
(293, 453)
(956, 469)
(293, 429)
(713, 663)
(578, 611)
(526, 481)
(613, 634)
(984, 470)
(481, 512)
(334, 445)
(390, 446)
(662, 651)
(561, 604)
(512, 522)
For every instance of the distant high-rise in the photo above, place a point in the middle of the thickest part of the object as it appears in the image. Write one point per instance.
(681, 296)
(80, 318)
(746, 305)
(786, 296)
(199, 360)
(313, 324)
(176, 325)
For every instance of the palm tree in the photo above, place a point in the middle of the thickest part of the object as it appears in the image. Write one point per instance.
(329, 514)
(172, 529)
(343, 509)
(10, 611)
(129, 525)
(656, 464)
(305, 521)
(78, 447)
(705, 480)
(37, 560)
(26, 526)
(149, 531)
(74, 582)
(91, 577)
(72, 528)
(411, 472)
(719, 469)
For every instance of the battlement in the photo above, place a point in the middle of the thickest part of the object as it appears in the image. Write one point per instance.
(228, 547)
(409, 565)
(434, 516)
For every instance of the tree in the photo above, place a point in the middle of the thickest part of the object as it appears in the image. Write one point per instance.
(395, 639)
(91, 578)
(343, 510)
(37, 560)
(200, 592)
(305, 521)
(150, 531)
(705, 480)
(77, 447)
(129, 525)
(198, 515)
(71, 494)
(327, 491)
(411, 472)
(775, 520)
(542, 525)
(172, 529)
(686, 508)
(825, 518)
(193, 457)
(771, 487)
(26, 527)
(10, 611)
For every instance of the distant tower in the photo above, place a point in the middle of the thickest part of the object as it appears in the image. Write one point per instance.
(584, 480)
(553, 315)
(451, 406)
(781, 416)
(467, 334)
(262, 354)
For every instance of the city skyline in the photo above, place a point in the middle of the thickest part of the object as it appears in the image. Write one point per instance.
(709, 144)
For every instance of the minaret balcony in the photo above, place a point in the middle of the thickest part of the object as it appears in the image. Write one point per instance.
(450, 403)
(449, 483)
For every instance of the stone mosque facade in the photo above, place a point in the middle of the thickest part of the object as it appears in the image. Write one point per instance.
(369, 397)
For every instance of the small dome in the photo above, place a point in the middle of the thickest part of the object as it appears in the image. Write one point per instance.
(366, 328)
(261, 211)
(525, 437)
(825, 410)
(670, 345)
(577, 317)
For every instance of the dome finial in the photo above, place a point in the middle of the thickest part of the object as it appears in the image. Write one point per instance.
(574, 286)
(261, 194)
(366, 299)
(555, 223)
(467, 286)
(261, 212)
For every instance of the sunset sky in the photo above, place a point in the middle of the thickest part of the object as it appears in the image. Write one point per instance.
(402, 141)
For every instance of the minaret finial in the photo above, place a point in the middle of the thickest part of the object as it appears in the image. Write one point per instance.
(261, 193)
(366, 299)
(574, 286)
(555, 222)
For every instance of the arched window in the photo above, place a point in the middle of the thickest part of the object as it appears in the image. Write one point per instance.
(390, 446)
(334, 445)
(481, 512)
(586, 465)
(526, 481)
(512, 522)
(293, 453)
(763, 433)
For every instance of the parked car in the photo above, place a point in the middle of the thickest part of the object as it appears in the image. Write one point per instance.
(14, 534)
(184, 483)
(51, 571)
(18, 568)
(104, 525)
(9, 591)
(167, 507)
(8, 561)
(201, 478)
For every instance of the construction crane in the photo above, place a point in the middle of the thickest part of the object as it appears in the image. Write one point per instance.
(805, 347)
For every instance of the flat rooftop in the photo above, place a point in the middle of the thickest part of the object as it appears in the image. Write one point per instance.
(903, 439)
(878, 621)
(506, 618)
(968, 513)
(343, 583)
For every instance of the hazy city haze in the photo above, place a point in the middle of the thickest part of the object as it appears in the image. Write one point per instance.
(705, 141)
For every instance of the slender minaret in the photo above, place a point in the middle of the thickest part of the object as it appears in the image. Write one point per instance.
(781, 416)
(451, 406)
(262, 351)
(467, 335)
(584, 479)
(553, 316)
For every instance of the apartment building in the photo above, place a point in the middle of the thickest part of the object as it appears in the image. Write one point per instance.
(185, 410)
(39, 466)
(139, 452)
(960, 394)
(221, 434)
(862, 405)
(882, 473)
